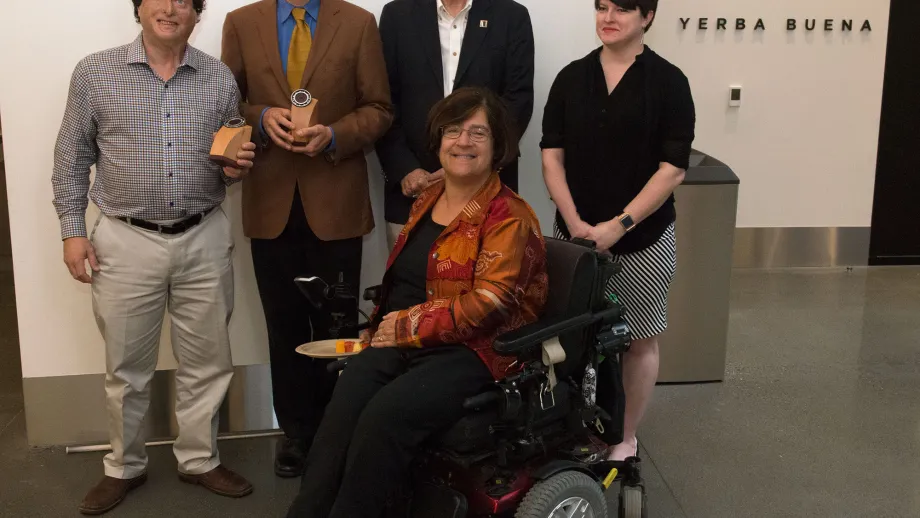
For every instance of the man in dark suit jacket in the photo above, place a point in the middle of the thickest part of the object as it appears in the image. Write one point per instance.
(432, 47)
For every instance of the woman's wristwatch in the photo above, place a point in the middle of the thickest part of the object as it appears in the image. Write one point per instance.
(627, 221)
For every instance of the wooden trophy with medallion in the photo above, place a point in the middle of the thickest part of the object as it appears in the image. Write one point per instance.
(228, 141)
(303, 114)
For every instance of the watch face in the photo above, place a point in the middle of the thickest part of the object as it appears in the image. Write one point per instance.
(627, 221)
(301, 98)
(235, 122)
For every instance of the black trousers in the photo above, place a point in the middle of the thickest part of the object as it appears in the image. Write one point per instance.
(386, 404)
(301, 386)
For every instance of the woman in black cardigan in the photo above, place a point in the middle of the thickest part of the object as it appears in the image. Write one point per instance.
(617, 130)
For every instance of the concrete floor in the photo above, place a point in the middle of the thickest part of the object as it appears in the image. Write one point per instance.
(819, 415)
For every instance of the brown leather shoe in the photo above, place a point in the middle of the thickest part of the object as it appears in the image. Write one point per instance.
(109, 493)
(220, 480)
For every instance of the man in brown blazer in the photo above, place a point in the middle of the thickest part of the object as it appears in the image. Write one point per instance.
(305, 208)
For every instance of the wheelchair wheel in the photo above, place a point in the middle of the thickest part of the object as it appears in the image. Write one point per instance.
(632, 502)
(567, 494)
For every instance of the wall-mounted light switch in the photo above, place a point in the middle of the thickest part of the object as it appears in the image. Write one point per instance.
(734, 99)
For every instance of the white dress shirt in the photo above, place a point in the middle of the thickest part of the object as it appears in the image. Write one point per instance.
(451, 29)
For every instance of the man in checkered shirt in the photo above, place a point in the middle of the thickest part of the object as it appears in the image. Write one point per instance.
(145, 114)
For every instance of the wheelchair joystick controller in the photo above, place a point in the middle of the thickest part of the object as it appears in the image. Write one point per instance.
(338, 300)
(343, 307)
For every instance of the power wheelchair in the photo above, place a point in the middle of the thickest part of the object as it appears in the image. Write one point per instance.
(524, 450)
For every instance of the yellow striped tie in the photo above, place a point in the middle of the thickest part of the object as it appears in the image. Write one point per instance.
(301, 42)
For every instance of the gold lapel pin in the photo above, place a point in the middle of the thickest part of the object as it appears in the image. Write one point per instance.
(483, 23)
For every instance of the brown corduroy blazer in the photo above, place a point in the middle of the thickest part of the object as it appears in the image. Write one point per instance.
(346, 73)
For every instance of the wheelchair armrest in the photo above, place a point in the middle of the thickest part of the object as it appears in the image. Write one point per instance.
(516, 342)
(481, 401)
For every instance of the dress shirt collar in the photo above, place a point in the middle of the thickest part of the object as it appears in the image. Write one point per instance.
(642, 57)
(138, 54)
(442, 11)
(285, 8)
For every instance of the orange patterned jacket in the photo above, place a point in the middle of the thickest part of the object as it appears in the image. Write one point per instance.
(486, 275)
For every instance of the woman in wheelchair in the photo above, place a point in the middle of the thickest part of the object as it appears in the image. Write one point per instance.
(469, 265)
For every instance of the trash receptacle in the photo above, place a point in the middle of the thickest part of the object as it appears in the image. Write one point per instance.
(694, 345)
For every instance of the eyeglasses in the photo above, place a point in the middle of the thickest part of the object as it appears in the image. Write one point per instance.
(476, 133)
(181, 4)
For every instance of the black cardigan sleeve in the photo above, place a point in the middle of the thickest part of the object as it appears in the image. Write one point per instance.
(678, 120)
(554, 113)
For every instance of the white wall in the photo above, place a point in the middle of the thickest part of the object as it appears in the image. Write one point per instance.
(803, 143)
(57, 332)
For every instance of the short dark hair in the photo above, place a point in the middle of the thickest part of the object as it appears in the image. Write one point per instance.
(644, 6)
(461, 105)
(198, 5)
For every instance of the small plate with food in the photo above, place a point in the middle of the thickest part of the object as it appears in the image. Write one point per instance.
(333, 348)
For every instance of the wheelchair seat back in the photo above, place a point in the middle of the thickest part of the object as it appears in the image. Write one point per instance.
(572, 270)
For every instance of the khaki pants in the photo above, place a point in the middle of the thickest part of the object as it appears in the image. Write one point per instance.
(142, 275)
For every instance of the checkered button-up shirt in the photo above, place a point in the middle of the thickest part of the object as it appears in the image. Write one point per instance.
(150, 139)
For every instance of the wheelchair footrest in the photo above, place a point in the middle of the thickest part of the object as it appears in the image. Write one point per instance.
(629, 471)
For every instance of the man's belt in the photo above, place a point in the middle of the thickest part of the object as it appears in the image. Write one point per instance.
(176, 228)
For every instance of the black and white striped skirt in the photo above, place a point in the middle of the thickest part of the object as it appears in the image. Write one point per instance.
(643, 284)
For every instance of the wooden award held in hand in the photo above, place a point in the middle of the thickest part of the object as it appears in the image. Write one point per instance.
(303, 114)
(228, 141)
